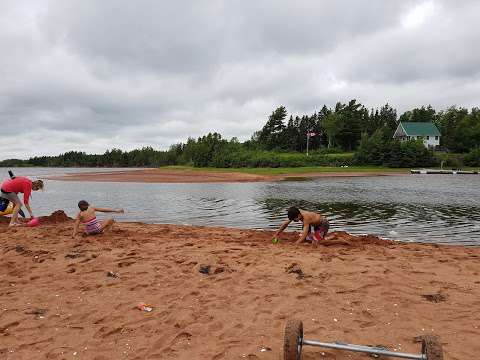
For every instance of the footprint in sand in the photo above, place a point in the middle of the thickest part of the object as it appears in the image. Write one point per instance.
(180, 341)
(6, 328)
(125, 263)
(106, 331)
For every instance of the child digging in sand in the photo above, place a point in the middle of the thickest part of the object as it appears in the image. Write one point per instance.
(310, 220)
(89, 219)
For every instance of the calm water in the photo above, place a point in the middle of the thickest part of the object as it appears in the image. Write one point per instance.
(424, 208)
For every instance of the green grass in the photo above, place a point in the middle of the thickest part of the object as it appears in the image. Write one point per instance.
(293, 170)
(341, 155)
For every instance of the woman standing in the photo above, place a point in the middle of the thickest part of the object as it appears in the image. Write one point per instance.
(19, 184)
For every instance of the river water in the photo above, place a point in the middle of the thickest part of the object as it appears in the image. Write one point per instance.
(413, 208)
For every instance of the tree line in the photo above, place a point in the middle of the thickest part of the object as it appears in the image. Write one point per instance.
(346, 134)
(345, 125)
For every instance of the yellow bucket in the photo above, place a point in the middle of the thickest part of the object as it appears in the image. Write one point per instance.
(8, 210)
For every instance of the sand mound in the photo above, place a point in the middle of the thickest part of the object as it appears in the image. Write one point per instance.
(56, 217)
(334, 239)
(358, 240)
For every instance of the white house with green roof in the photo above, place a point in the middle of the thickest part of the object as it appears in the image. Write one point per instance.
(425, 131)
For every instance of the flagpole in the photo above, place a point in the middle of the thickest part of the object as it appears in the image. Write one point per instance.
(308, 137)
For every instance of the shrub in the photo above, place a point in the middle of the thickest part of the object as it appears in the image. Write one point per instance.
(473, 158)
(392, 153)
(237, 158)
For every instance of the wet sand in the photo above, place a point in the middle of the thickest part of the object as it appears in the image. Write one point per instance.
(194, 176)
(57, 301)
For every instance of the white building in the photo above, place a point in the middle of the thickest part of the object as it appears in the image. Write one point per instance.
(425, 131)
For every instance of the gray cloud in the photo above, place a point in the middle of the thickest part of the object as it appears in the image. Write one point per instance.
(92, 75)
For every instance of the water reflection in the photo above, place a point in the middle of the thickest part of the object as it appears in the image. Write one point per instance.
(442, 210)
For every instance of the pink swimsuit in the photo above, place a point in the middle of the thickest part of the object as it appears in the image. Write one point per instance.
(92, 226)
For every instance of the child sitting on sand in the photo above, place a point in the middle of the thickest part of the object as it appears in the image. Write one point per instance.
(89, 219)
(311, 220)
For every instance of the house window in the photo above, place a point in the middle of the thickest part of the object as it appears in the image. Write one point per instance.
(436, 137)
(428, 137)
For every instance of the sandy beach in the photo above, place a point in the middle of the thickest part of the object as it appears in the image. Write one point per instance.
(197, 176)
(57, 300)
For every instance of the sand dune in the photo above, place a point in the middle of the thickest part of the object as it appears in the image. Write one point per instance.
(58, 302)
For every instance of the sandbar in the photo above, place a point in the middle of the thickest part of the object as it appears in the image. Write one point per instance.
(199, 176)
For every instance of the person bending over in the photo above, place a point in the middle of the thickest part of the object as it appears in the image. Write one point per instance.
(12, 187)
(89, 219)
(315, 226)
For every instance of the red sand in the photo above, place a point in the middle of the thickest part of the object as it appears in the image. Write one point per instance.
(191, 176)
(57, 302)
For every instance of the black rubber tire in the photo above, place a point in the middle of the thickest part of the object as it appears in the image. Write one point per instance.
(432, 348)
(293, 340)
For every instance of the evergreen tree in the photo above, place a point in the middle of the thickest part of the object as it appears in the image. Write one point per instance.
(423, 114)
(320, 126)
(291, 135)
(350, 120)
(272, 134)
(388, 116)
(333, 125)
(448, 123)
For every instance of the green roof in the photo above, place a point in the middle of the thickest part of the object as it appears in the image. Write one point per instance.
(420, 128)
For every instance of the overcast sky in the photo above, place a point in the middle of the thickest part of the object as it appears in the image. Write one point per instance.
(91, 75)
